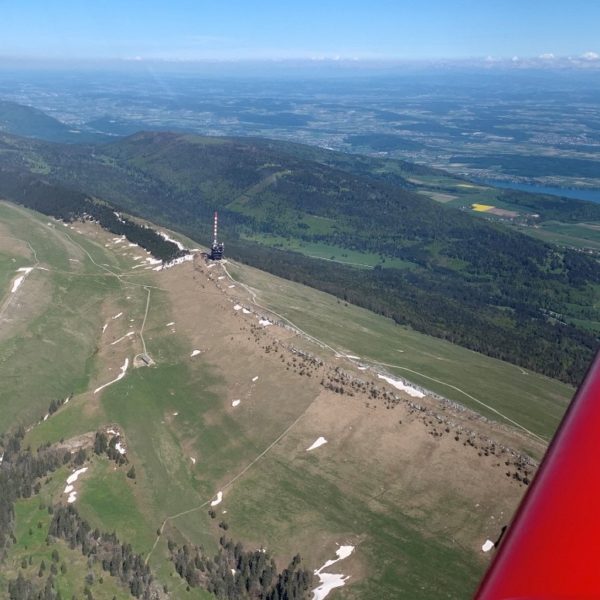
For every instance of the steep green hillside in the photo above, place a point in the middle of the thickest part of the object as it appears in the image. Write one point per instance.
(441, 271)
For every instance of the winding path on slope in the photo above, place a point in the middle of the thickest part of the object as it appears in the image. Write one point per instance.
(120, 276)
(373, 362)
(227, 485)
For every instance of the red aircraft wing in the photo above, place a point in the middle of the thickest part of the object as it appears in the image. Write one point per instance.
(551, 549)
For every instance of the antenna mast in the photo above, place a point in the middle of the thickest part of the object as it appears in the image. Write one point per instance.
(216, 252)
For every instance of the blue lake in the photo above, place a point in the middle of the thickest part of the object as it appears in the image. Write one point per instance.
(591, 195)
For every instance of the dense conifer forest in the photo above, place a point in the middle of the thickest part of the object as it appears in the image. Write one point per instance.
(68, 205)
(440, 271)
(237, 574)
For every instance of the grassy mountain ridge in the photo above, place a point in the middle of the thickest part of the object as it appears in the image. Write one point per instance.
(439, 270)
(402, 487)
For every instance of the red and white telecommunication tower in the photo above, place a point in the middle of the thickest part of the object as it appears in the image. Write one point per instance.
(216, 252)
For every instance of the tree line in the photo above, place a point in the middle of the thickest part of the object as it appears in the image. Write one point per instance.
(116, 558)
(434, 303)
(69, 205)
(20, 472)
(236, 574)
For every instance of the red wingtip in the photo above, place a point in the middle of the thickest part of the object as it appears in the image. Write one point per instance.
(552, 547)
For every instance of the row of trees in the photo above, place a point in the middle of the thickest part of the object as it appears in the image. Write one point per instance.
(116, 558)
(435, 303)
(20, 472)
(68, 205)
(105, 445)
(25, 589)
(236, 574)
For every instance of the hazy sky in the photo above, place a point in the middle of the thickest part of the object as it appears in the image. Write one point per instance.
(275, 29)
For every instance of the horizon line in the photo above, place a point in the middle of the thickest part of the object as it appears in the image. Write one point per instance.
(587, 58)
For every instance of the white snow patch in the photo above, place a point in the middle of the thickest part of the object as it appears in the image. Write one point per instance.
(104, 327)
(117, 316)
(19, 280)
(231, 286)
(170, 324)
(123, 337)
(255, 378)
(153, 261)
(119, 376)
(72, 497)
(237, 307)
(120, 448)
(72, 478)
(487, 546)
(400, 385)
(1, 458)
(361, 368)
(264, 322)
(16, 283)
(210, 266)
(46, 417)
(329, 581)
(68, 489)
(352, 356)
(318, 442)
(193, 460)
(164, 236)
(112, 431)
(218, 499)
(235, 403)
(233, 571)
(175, 414)
(246, 311)
(132, 245)
(66, 400)
(221, 277)
(175, 261)
(195, 353)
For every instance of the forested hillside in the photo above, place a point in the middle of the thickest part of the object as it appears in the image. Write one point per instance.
(28, 121)
(439, 270)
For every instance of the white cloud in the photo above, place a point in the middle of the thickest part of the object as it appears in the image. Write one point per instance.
(590, 56)
(547, 56)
